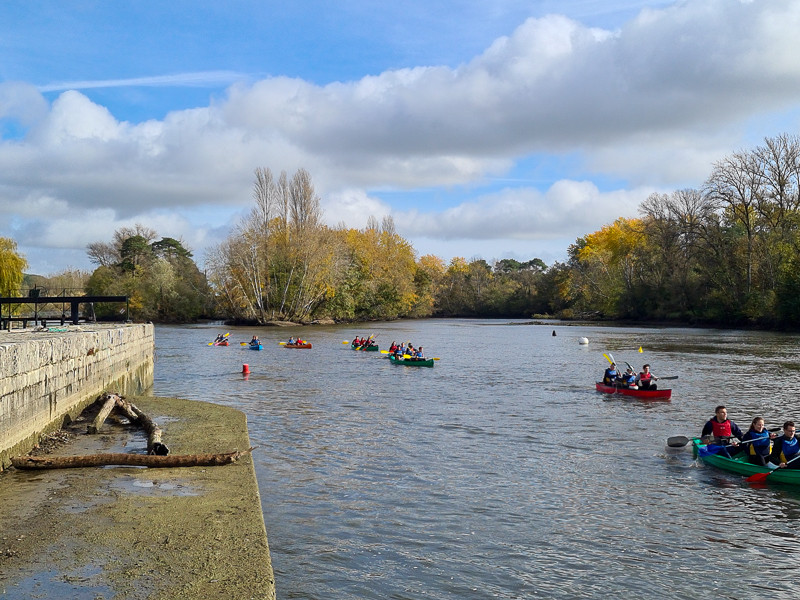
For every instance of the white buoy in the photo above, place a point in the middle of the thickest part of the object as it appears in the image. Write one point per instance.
(583, 341)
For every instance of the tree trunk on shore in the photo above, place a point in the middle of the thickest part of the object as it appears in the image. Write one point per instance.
(138, 460)
(110, 403)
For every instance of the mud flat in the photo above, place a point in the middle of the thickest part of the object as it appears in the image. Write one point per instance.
(136, 533)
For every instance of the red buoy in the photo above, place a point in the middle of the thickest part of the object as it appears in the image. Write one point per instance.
(245, 370)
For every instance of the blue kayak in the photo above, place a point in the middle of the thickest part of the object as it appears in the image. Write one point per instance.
(256, 346)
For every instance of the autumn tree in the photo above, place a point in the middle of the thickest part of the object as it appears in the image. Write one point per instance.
(12, 264)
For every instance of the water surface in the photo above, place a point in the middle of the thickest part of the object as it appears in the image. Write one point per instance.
(501, 473)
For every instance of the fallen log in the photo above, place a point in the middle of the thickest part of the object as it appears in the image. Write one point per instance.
(153, 431)
(137, 460)
(108, 405)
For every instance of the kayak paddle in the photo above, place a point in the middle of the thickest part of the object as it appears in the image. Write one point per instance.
(762, 477)
(677, 441)
(215, 341)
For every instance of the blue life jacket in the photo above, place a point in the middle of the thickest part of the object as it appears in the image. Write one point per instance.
(789, 448)
(762, 444)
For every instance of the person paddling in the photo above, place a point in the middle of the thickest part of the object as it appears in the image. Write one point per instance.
(628, 379)
(611, 374)
(758, 450)
(645, 379)
(785, 448)
(722, 431)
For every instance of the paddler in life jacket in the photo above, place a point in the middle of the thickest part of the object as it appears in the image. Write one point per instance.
(645, 379)
(758, 443)
(611, 374)
(629, 379)
(785, 448)
(722, 431)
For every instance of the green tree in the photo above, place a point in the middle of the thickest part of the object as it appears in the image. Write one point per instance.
(12, 264)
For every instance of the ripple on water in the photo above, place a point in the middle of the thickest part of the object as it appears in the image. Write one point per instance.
(507, 476)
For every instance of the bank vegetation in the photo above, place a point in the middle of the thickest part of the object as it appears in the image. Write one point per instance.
(727, 253)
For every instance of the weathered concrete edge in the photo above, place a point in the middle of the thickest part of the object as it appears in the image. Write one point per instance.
(88, 383)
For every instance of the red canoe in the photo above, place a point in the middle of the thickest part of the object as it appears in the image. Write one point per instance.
(306, 345)
(640, 394)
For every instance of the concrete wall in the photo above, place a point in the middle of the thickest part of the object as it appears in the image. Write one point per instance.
(47, 377)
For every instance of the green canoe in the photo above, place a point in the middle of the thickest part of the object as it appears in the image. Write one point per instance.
(409, 362)
(740, 466)
(374, 348)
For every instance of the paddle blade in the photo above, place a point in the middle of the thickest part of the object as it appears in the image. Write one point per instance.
(607, 358)
(282, 343)
(758, 478)
(710, 450)
(243, 343)
(677, 441)
(345, 342)
(436, 358)
(384, 351)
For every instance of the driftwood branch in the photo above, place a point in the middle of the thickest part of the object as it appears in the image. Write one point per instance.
(108, 405)
(134, 415)
(138, 460)
(153, 431)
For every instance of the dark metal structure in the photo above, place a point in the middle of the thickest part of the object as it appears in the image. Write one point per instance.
(73, 301)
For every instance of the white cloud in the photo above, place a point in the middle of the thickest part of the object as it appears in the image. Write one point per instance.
(568, 209)
(21, 102)
(652, 103)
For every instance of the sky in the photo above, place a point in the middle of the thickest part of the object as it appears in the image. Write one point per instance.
(504, 129)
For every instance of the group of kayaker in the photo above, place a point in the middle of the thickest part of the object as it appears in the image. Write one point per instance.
(645, 380)
(293, 341)
(401, 351)
(362, 342)
(761, 445)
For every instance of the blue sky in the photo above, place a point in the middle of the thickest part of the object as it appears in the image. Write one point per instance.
(492, 130)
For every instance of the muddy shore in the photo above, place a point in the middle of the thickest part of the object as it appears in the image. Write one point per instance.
(138, 533)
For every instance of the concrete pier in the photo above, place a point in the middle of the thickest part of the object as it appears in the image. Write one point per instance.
(131, 533)
(48, 375)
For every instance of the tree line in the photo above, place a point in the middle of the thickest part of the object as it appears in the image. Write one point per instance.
(726, 253)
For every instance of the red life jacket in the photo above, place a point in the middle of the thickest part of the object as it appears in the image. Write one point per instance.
(721, 430)
(646, 377)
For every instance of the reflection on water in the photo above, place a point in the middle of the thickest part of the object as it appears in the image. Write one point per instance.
(501, 472)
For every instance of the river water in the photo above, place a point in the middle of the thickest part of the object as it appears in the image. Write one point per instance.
(500, 472)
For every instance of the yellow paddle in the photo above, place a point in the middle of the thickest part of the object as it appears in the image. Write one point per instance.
(224, 336)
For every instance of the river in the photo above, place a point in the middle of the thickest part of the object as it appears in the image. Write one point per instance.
(500, 472)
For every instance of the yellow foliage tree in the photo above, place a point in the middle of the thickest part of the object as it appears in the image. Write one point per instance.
(605, 264)
(12, 264)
